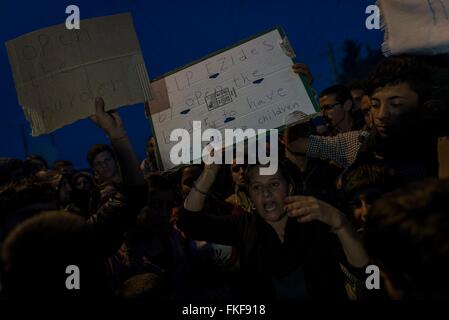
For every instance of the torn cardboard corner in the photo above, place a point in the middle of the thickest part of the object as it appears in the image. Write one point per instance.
(415, 26)
(287, 48)
(161, 101)
(59, 72)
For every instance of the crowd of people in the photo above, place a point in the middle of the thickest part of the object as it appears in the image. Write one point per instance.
(355, 187)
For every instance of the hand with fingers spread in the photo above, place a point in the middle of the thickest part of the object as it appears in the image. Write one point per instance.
(307, 209)
(110, 121)
(303, 69)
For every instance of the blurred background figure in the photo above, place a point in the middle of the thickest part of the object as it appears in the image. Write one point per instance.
(149, 164)
(63, 166)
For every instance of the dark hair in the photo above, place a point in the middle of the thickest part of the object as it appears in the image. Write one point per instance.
(36, 254)
(84, 174)
(7, 167)
(373, 176)
(342, 93)
(285, 167)
(95, 150)
(61, 163)
(37, 157)
(408, 233)
(26, 192)
(157, 182)
(30, 164)
(357, 84)
(399, 69)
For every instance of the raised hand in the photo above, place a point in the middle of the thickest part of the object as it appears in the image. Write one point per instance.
(210, 167)
(307, 209)
(110, 121)
(303, 69)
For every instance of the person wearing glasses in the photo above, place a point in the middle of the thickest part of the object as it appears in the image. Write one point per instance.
(336, 104)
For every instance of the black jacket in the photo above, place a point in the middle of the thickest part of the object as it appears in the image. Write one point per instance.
(263, 256)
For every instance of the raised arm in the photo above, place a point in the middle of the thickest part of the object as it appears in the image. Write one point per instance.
(303, 70)
(112, 125)
(201, 187)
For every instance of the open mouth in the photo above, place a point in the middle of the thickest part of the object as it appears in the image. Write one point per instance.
(269, 206)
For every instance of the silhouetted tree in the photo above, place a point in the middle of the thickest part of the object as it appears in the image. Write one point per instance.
(354, 65)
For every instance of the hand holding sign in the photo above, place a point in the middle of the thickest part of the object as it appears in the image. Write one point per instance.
(110, 121)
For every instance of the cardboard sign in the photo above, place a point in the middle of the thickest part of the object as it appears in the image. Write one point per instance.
(59, 72)
(251, 85)
(415, 26)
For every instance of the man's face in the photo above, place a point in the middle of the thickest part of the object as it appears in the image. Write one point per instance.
(105, 167)
(268, 192)
(394, 110)
(332, 109)
(357, 95)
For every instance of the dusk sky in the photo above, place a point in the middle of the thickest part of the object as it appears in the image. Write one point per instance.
(171, 34)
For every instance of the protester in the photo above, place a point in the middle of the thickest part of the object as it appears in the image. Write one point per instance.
(63, 166)
(149, 164)
(272, 243)
(215, 233)
(33, 164)
(399, 87)
(407, 236)
(51, 242)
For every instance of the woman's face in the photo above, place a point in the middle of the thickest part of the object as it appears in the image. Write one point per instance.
(267, 192)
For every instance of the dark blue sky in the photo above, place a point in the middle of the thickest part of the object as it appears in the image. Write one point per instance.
(173, 33)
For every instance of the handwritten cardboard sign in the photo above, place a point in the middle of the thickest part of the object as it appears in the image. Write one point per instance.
(59, 72)
(250, 85)
(415, 26)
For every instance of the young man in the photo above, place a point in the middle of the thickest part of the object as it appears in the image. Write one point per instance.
(336, 105)
(104, 164)
(398, 89)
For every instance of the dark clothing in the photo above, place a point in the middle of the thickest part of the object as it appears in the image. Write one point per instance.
(358, 120)
(319, 180)
(114, 217)
(264, 257)
(411, 158)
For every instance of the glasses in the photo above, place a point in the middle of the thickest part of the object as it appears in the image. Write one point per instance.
(328, 107)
